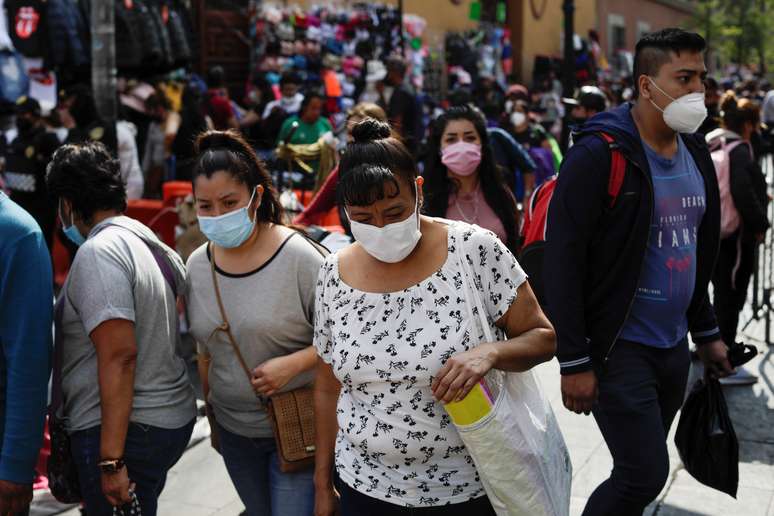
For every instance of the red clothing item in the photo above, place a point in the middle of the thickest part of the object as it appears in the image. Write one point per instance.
(219, 107)
(323, 202)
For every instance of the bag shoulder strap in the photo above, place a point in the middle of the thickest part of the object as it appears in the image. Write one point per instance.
(617, 168)
(225, 327)
(728, 147)
(57, 396)
(161, 261)
(469, 289)
(324, 251)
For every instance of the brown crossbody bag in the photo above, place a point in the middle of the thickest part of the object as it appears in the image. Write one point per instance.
(291, 413)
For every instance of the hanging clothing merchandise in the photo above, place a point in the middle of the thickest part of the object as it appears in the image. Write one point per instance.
(129, 46)
(144, 27)
(300, 40)
(28, 23)
(481, 52)
(43, 83)
(5, 38)
(178, 38)
(14, 82)
(156, 10)
(68, 34)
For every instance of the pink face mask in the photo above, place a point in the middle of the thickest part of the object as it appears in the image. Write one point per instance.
(461, 158)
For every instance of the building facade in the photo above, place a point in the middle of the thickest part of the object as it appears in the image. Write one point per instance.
(537, 25)
(621, 23)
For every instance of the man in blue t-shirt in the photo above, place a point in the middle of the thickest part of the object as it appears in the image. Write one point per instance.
(627, 275)
(26, 310)
(657, 316)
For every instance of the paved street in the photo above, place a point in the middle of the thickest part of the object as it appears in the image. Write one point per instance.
(199, 485)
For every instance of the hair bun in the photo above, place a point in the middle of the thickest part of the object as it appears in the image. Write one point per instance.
(370, 130)
(219, 140)
(729, 103)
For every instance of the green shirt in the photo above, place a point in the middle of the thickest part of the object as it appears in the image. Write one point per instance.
(306, 133)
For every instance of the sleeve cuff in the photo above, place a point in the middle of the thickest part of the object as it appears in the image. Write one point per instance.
(578, 365)
(17, 470)
(107, 314)
(706, 336)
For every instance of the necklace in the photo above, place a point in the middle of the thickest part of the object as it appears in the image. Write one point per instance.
(473, 219)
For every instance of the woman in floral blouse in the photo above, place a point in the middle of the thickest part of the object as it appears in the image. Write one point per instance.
(396, 342)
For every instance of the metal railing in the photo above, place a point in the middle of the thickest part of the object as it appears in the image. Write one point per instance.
(760, 297)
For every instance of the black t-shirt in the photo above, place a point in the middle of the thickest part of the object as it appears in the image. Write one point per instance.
(27, 26)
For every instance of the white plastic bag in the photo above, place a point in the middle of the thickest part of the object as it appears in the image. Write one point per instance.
(518, 448)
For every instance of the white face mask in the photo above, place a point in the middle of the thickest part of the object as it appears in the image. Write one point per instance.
(685, 114)
(391, 243)
(518, 118)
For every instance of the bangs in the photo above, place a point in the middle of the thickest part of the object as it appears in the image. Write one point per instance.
(365, 184)
(212, 161)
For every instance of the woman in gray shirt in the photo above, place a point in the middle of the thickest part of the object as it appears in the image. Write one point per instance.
(266, 275)
(128, 405)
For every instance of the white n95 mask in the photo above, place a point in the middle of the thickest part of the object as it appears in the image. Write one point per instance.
(684, 114)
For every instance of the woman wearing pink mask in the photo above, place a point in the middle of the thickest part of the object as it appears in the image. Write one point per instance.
(462, 179)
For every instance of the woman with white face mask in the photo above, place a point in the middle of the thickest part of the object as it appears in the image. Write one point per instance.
(395, 345)
(539, 143)
(462, 179)
(265, 276)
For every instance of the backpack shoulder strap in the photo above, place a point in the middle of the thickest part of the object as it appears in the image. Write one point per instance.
(533, 199)
(617, 168)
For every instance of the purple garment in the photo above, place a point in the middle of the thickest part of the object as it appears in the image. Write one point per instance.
(544, 160)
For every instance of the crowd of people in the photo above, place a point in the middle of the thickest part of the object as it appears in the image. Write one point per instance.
(380, 329)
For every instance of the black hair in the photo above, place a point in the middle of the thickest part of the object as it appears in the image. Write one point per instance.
(228, 151)
(290, 78)
(397, 64)
(460, 96)
(652, 51)
(193, 122)
(438, 185)
(216, 77)
(84, 107)
(372, 165)
(157, 100)
(88, 176)
(308, 98)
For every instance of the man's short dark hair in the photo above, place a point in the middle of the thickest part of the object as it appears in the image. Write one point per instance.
(291, 78)
(89, 177)
(309, 96)
(216, 77)
(652, 51)
(397, 64)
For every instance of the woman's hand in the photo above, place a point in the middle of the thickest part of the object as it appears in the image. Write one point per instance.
(462, 372)
(325, 501)
(274, 374)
